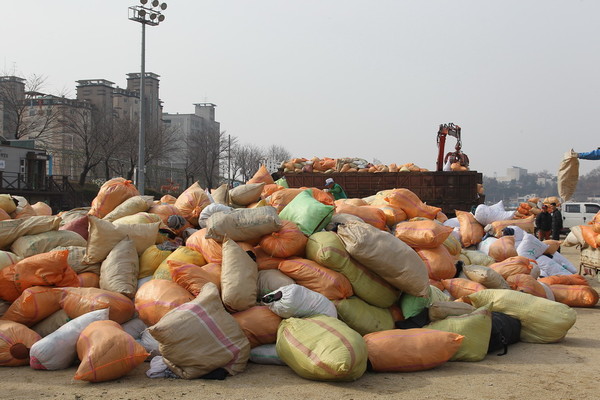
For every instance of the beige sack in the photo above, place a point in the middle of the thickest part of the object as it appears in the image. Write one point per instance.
(239, 276)
(568, 175)
(486, 276)
(441, 309)
(12, 229)
(269, 280)
(119, 271)
(244, 195)
(75, 260)
(200, 336)
(105, 235)
(130, 206)
(29, 245)
(387, 256)
(221, 194)
(244, 224)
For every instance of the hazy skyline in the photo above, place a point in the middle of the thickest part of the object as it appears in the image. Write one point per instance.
(352, 78)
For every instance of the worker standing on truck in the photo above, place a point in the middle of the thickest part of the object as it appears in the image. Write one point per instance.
(335, 189)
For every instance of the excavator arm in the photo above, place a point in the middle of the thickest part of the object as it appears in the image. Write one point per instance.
(456, 156)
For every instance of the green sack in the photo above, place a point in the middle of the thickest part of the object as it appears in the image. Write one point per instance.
(309, 214)
(327, 249)
(282, 182)
(542, 320)
(413, 305)
(476, 327)
(322, 348)
(362, 317)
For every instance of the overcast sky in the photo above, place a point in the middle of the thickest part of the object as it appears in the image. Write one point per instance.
(344, 78)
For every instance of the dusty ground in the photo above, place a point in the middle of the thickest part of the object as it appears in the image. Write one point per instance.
(566, 370)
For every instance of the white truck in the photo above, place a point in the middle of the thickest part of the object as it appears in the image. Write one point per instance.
(574, 214)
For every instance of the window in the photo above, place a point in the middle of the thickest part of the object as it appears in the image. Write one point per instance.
(572, 208)
(592, 208)
(22, 166)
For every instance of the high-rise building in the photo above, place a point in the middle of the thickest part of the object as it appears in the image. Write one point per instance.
(197, 130)
(12, 95)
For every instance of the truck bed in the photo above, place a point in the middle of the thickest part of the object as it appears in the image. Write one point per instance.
(449, 190)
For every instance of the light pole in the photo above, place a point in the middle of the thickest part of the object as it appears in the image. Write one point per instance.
(145, 15)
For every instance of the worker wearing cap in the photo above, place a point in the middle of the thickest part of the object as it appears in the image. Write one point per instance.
(335, 189)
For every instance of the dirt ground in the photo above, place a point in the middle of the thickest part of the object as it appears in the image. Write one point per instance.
(560, 371)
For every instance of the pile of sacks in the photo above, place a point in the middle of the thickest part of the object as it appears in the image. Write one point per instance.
(206, 282)
(533, 206)
(587, 238)
(328, 165)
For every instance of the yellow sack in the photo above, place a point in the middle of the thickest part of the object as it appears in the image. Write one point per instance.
(322, 348)
(476, 328)
(542, 320)
(150, 260)
(183, 254)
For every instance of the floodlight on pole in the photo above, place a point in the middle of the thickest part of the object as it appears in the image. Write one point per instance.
(145, 15)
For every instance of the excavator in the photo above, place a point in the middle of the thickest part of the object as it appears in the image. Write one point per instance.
(456, 156)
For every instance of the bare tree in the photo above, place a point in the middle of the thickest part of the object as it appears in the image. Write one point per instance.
(278, 153)
(28, 113)
(84, 125)
(246, 160)
(205, 155)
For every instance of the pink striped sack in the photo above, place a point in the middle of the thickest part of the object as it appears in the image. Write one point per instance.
(200, 336)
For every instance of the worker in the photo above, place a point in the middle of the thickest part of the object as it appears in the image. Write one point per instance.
(335, 189)
(543, 222)
(590, 155)
(557, 221)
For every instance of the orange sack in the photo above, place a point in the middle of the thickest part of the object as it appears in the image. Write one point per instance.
(575, 295)
(33, 305)
(513, 266)
(262, 176)
(89, 279)
(459, 287)
(424, 234)
(15, 341)
(439, 262)
(317, 278)
(370, 214)
(210, 249)
(527, 284)
(265, 261)
(78, 301)
(192, 277)
(407, 350)
(45, 269)
(471, 231)
(191, 203)
(157, 297)
(574, 279)
(288, 241)
(411, 204)
(259, 324)
(112, 193)
(107, 352)
(503, 248)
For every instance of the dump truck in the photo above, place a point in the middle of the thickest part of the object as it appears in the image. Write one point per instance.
(450, 190)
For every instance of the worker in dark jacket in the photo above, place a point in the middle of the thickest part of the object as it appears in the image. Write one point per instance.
(543, 223)
(335, 189)
(557, 221)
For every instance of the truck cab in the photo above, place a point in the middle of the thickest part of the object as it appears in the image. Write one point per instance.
(574, 214)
